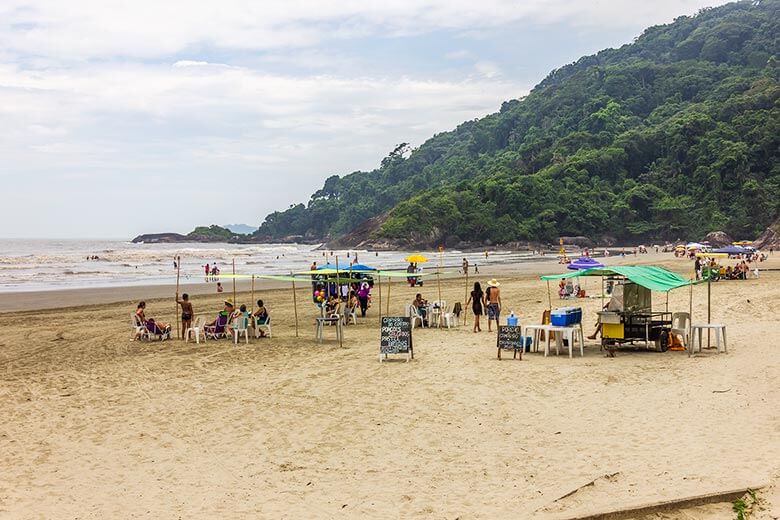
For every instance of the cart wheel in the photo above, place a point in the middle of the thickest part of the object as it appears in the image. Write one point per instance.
(662, 343)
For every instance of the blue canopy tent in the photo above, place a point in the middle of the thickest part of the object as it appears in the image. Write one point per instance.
(347, 267)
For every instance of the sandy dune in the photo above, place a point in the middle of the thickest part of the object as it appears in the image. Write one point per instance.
(97, 426)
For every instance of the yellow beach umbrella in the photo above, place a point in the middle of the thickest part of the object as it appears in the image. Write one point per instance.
(417, 259)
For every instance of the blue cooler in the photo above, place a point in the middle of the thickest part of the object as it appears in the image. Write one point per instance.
(564, 316)
(511, 320)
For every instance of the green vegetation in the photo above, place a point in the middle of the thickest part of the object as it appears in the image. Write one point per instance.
(675, 135)
(212, 233)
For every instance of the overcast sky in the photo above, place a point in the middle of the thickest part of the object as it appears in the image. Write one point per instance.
(128, 117)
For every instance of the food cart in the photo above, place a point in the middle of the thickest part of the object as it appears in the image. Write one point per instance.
(629, 317)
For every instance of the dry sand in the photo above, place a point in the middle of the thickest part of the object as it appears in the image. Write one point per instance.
(97, 426)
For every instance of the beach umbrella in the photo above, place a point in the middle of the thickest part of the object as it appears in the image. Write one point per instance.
(416, 259)
(584, 262)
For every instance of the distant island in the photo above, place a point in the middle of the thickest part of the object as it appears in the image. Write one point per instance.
(673, 136)
(240, 229)
(216, 233)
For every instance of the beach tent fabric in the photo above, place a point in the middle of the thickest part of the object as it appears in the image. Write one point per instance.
(584, 263)
(346, 267)
(651, 277)
(731, 250)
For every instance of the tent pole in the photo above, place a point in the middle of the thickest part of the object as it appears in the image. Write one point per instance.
(709, 305)
(389, 279)
(667, 301)
(176, 301)
(295, 306)
(690, 317)
(466, 296)
(379, 283)
(338, 294)
(549, 298)
(234, 281)
(253, 294)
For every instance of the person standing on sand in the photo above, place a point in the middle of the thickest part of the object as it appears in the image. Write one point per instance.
(465, 266)
(493, 302)
(207, 268)
(477, 301)
(186, 313)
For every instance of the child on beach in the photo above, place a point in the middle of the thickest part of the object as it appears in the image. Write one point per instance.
(219, 287)
(186, 313)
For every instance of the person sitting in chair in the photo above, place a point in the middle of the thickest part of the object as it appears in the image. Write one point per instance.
(227, 312)
(421, 306)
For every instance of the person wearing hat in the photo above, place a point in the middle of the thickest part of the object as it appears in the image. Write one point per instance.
(493, 302)
(226, 312)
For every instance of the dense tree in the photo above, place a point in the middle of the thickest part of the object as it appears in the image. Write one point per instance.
(675, 134)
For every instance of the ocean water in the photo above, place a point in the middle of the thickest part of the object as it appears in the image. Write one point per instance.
(37, 264)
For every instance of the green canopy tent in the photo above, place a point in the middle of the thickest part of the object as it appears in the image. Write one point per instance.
(651, 277)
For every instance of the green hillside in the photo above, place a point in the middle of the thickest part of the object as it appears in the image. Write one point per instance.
(674, 135)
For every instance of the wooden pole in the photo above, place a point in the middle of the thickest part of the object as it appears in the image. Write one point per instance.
(176, 302)
(709, 304)
(690, 318)
(295, 307)
(379, 283)
(438, 279)
(389, 279)
(253, 294)
(549, 298)
(466, 296)
(667, 301)
(234, 281)
(338, 294)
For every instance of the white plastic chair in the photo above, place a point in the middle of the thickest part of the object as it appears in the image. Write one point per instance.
(266, 326)
(411, 312)
(240, 326)
(350, 315)
(681, 322)
(139, 329)
(195, 329)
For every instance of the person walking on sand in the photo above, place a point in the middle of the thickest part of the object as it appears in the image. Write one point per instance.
(465, 266)
(186, 313)
(493, 302)
(207, 268)
(477, 301)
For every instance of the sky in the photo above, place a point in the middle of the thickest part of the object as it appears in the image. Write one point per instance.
(120, 118)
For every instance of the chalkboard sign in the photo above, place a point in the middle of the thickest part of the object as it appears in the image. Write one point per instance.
(510, 337)
(395, 337)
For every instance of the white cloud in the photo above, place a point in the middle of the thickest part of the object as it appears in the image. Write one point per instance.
(149, 28)
(106, 104)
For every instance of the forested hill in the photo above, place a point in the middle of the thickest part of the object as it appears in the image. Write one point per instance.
(674, 135)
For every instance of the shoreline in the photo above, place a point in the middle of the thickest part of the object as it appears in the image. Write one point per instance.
(48, 299)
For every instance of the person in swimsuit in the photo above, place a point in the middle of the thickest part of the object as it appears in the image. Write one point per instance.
(477, 301)
(493, 302)
(186, 312)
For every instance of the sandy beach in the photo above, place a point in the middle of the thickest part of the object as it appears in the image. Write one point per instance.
(98, 426)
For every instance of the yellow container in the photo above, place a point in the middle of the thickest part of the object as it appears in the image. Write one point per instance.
(612, 330)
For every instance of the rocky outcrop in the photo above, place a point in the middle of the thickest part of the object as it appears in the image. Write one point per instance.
(770, 237)
(718, 239)
(160, 238)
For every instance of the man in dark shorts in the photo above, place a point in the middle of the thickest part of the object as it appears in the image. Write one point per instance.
(494, 302)
(186, 313)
